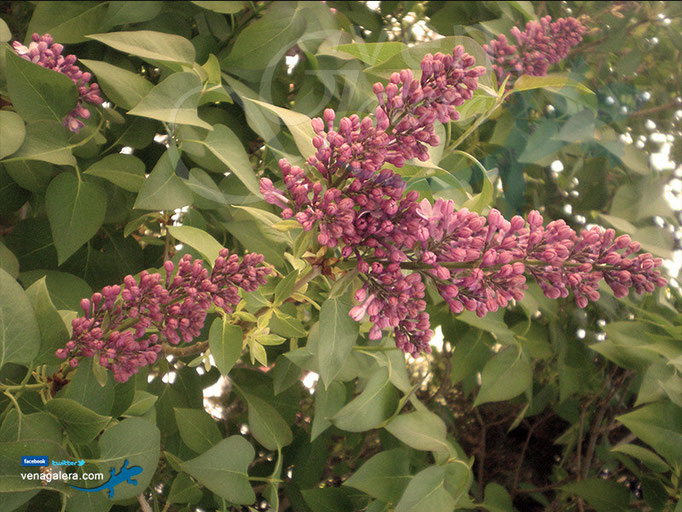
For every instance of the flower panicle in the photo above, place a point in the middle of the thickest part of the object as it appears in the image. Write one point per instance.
(42, 50)
(540, 45)
(116, 321)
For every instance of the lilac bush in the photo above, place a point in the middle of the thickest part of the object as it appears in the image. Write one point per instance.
(294, 372)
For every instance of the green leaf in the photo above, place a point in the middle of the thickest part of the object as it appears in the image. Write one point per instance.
(436, 489)
(543, 143)
(266, 424)
(139, 442)
(579, 127)
(184, 490)
(482, 200)
(227, 147)
(81, 424)
(372, 407)
(222, 469)
(40, 425)
(126, 171)
(384, 476)
(329, 499)
(225, 341)
(5, 33)
(175, 100)
(298, 124)
(372, 53)
(76, 211)
(85, 389)
(222, 7)
(197, 429)
(551, 81)
(603, 495)
(673, 388)
(636, 160)
(149, 45)
(649, 458)
(265, 221)
(285, 287)
(497, 499)
(46, 141)
(263, 43)
(31, 175)
(12, 133)
(90, 501)
(338, 332)
(163, 189)
(8, 261)
(258, 353)
(287, 326)
(141, 403)
(506, 375)
(202, 185)
(67, 22)
(121, 86)
(655, 240)
(12, 197)
(328, 402)
(53, 332)
(627, 344)
(19, 334)
(38, 93)
(285, 374)
(471, 353)
(122, 13)
(208, 246)
(66, 290)
(421, 430)
(660, 426)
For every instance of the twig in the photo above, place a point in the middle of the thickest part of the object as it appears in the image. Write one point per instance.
(143, 503)
(190, 350)
(653, 110)
(544, 488)
(198, 348)
(481, 453)
(445, 381)
(595, 431)
(517, 470)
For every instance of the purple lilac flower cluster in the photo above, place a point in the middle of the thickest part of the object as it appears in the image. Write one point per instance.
(48, 54)
(542, 43)
(479, 264)
(476, 263)
(116, 320)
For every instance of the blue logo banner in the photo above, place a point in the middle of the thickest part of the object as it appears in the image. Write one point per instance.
(34, 460)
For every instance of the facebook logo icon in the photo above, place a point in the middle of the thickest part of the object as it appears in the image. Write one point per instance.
(34, 460)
